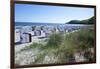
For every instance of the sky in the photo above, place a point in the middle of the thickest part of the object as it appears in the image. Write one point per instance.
(50, 14)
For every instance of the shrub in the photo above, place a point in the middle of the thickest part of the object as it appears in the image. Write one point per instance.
(54, 40)
(61, 49)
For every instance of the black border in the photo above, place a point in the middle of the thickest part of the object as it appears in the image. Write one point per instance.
(12, 65)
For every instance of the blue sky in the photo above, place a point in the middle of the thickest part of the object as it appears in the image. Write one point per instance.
(50, 14)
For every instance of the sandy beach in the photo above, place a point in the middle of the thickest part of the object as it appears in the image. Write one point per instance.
(26, 56)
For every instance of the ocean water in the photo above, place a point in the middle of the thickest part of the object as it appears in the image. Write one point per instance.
(49, 25)
(46, 24)
(35, 24)
(19, 25)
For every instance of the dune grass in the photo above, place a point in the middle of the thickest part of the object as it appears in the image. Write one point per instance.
(61, 49)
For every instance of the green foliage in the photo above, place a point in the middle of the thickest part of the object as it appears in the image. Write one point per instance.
(33, 46)
(91, 20)
(86, 21)
(74, 22)
(54, 40)
(39, 58)
(61, 49)
(80, 40)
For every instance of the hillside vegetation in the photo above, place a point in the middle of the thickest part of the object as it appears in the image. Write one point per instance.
(87, 21)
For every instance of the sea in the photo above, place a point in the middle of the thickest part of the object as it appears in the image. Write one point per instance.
(35, 24)
(21, 24)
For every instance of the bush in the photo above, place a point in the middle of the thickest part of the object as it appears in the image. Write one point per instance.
(61, 49)
(80, 40)
(54, 40)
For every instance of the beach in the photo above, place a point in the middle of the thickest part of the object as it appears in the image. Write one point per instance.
(25, 55)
